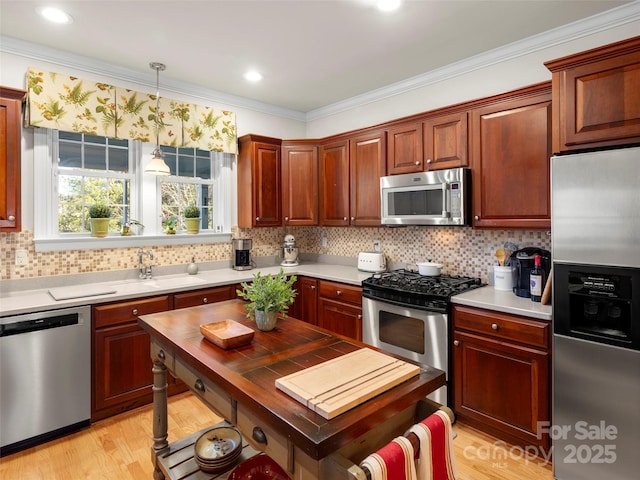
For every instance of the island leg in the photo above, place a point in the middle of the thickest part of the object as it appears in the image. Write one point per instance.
(159, 415)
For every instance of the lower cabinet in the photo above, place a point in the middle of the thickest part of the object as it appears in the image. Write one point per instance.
(340, 308)
(501, 374)
(305, 307)
(204, 296)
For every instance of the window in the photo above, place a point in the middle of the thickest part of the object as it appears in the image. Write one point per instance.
(72, 171)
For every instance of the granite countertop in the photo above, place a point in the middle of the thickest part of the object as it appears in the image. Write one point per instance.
(503, 301)
(39, 299)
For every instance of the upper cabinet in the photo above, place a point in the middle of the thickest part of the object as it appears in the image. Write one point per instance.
(404, 149)
(445, 141)
(259, 177)
(596, 97)
(300, 183)
(10, 148)
(510, 148)
(350, 171)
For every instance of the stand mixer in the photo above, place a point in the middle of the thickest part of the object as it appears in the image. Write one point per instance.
(290, 252)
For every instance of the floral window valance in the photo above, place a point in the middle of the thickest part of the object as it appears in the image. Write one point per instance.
(72, 104)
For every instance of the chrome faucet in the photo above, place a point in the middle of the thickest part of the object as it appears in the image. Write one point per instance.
(145, 270)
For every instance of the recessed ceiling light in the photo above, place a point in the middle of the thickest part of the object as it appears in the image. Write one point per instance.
(388, 5)
(253, 76)
(54, 15)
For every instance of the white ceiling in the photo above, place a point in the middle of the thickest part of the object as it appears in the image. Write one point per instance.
(312, 53)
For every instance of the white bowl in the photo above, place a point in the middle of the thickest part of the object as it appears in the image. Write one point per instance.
(430, 269)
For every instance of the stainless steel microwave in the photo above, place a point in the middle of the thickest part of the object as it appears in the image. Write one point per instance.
(440, 197)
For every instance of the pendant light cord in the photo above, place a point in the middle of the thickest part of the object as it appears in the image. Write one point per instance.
(157, 67)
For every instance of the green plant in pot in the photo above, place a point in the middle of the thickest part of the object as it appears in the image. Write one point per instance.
(192, 219)
(268, 296)
(99, 215)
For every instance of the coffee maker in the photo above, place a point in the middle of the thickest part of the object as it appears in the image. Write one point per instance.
(289, 252)
(241, 254)
(522, 261)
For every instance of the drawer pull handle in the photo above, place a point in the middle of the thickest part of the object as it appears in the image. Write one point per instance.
(135, 312)
(456, 343)
(205, 300)
(199, 385)
(161, 355)
(494, 326)
(339, 292)
(259, 436)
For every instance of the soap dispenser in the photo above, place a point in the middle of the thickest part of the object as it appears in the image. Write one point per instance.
(192, 268)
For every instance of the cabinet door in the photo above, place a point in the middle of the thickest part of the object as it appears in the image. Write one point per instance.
(307, 301)
(10, 153)
(404, 149)
(300, 185)
(597, 97)
(340, 318)
(334, 189)
(503, 388)
(511, 148)
(367, 165)
(259, 177)
(445, 141)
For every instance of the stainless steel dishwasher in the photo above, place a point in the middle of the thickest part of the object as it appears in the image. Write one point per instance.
(45, 376)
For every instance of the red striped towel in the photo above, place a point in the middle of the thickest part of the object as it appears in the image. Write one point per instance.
(436, 460)
(394, 461)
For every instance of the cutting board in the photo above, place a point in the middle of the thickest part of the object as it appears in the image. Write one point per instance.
(335, 386)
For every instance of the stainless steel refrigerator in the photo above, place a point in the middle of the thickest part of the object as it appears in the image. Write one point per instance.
(595, 228)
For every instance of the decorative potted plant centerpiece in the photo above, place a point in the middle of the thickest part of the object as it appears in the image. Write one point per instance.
(99, 215)
(192, 219)
(268, 296)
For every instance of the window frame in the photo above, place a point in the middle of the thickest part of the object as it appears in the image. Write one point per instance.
(144, 201)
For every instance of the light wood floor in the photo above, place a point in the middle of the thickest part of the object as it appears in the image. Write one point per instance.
(119, 448)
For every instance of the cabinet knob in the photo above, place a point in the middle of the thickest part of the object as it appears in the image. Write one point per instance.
(477, 217)
(199, 385)
(428, 160)
(338, 292)
(359, 317)
(257, 219)
(205, 300)
(495, 326)
(12, 218)
(286, 219)
(417, 162)
(344, 218)
(313, 287)
(259, 435)
(161, 355)
(353, 219)
(135, 312)
(456, 343)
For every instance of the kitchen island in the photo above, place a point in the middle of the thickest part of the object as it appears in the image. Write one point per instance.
(239, 385)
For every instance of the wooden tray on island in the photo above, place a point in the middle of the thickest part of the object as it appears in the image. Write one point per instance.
(227, 333)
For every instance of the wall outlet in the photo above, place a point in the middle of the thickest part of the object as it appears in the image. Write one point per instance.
(324, 242)
(21, 258)
(377, 245)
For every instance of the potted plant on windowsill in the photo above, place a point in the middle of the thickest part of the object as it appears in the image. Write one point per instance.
(169, 223)
(99, 215)
(268, 296)
(192, 219)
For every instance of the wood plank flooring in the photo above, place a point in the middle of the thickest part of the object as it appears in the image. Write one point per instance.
(119, 448)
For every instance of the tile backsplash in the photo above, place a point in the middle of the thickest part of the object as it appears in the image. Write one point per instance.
(462, 250)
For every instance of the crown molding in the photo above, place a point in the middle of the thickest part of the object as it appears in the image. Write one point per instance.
(572, 31)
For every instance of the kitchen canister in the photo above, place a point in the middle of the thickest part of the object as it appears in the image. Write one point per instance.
(503, 278)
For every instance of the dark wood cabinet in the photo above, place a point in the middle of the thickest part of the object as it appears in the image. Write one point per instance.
(11, 101)
(204, 296)
(305, 307)
(334, 183)
(501, 374)
(300, 183)
(445, 141)
(340, 308)
(259, 177)
(367, 165)
(596, 97)
(510, 148)
(121, 361)
(404, 149)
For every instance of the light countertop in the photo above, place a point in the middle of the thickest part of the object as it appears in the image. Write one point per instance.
(28, 301)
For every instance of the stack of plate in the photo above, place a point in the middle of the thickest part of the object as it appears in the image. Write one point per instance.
(218, 449)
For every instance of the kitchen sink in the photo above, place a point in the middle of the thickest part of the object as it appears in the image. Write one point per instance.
(172, 282)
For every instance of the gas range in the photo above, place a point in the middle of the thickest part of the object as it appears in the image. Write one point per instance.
(406, 288)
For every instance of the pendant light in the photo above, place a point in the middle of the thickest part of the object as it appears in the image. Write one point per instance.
(157, 166)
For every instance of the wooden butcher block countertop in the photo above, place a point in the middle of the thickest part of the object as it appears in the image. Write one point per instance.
(248, 373)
